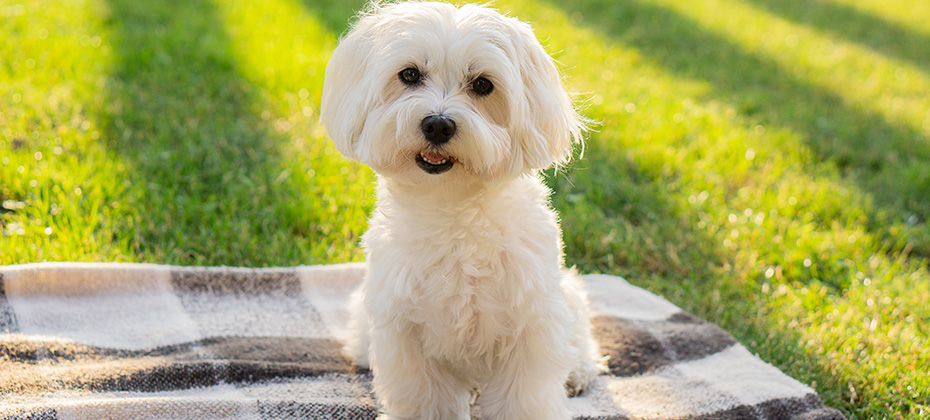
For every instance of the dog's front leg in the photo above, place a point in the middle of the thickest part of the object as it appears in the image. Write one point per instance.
(412, 387)
(530, 385)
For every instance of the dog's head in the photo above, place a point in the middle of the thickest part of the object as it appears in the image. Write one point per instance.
(424, 91)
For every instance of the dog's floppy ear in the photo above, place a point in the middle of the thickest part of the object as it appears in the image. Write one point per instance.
(550, 124)
(346, 93)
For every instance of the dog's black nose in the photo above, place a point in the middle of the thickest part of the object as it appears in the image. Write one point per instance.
(438, 129)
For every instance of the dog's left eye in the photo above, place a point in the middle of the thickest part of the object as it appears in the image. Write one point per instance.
(410, 76)
(482, 86)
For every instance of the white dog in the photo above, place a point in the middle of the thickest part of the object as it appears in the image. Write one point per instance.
(457, 109)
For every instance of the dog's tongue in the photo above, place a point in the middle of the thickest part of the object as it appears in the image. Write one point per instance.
(432, 157)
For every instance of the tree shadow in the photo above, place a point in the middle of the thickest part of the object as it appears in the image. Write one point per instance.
(206, 168)
(885, 160)
(647, 236)
(889, 161)
(845, 21)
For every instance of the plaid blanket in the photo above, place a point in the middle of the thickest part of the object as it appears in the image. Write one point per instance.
(138, 341)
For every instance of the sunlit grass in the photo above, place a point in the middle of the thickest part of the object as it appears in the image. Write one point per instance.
(272, 45)
(732, 174)
(908, 15)
(764, 164)
(863, 77)
(61, 188)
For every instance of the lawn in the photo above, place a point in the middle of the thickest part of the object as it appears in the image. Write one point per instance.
(764, 164)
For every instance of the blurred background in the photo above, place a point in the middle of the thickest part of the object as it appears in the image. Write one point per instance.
(764, 164)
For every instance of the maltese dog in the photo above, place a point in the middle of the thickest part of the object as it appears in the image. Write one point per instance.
(466, 299)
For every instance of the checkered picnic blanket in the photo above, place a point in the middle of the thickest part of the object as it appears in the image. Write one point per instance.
(139, 341)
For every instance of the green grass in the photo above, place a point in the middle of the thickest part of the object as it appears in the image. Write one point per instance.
(766, 167)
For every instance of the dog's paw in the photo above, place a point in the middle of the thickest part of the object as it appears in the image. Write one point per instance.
(581, 377)
(578, 381)
(574, 387)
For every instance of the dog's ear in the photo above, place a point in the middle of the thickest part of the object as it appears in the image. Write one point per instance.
(346, 94)
(550, 123)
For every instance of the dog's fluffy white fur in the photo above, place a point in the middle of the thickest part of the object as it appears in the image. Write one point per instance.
(466, 294)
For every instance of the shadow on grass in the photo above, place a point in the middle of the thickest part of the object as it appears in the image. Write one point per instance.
(845, 21)
(876, 156)
(888, 161)
(207, 169)
(619, 219)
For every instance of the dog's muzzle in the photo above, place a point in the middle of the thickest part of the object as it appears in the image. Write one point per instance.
(437, 130)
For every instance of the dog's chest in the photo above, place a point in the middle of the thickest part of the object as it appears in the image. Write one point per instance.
(465, 283)
(473, 296)
(466, 311)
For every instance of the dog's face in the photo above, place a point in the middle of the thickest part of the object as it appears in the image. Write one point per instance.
(430, 92)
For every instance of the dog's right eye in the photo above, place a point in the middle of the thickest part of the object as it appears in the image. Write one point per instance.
(410, 76)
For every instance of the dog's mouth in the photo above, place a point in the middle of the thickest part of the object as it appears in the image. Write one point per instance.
(433, 162)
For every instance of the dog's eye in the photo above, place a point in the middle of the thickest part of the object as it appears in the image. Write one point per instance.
(410, 76)
(482, 86)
